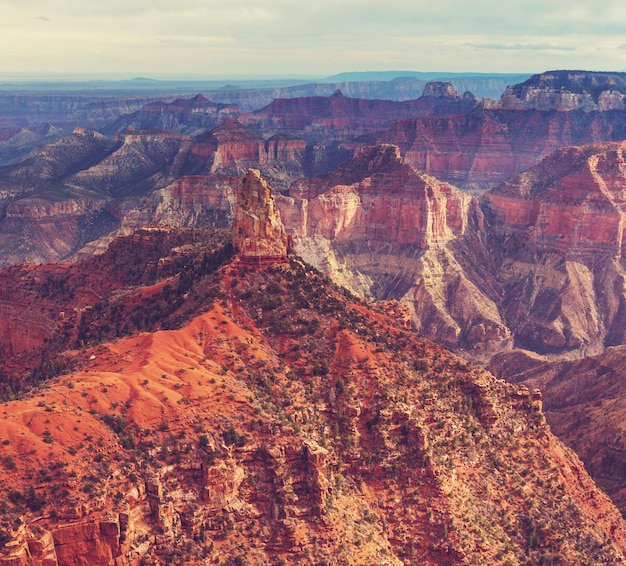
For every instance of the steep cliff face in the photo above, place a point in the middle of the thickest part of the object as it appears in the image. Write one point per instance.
(202, 201)
(568, 90)
(280, 421)
(232, 148)
(584, 404)
(258, 233)
(484, 148)
(385, 231)
(558, 229)
(38, 230)
(82, 191)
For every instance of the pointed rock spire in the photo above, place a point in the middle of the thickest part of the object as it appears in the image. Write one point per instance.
(258, 233)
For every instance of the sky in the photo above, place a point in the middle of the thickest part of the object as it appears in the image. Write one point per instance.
(156, 38)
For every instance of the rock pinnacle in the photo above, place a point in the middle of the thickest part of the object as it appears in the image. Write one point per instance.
(258, 233)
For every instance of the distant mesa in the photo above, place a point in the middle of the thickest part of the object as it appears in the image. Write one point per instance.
(440, 89)
(258, 232)
(568, 90)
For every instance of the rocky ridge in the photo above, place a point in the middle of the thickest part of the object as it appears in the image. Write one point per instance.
(559, 229)
(341, 117)
(583, 402)
(286, 422)
(388, 231)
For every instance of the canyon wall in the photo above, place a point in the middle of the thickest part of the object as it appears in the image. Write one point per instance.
(483, 148)
(559, 230)
(385, 230)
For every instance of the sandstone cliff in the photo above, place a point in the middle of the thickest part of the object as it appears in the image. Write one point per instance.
(258, 233)
(385, 230)
(483, 148)
(568, 90)
(558, 230)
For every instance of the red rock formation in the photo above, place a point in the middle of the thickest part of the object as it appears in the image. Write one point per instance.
(203, 201)
(341, 117)
(559, 229)
(573, 201)
(584, 403)
(286, 422)
(482, 149)
(258, 233)
(391, 202)
(281, 150)
(235, 145)
(385, 230)
(232, 147)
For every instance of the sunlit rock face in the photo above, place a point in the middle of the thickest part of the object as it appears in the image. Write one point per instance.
(258, 233)
(559, 229)
(388, 231)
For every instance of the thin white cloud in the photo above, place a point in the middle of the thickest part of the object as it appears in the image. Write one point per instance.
(521, 46)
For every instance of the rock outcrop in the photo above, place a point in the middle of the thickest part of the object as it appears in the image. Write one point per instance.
(584, 404)
(388, 231)
(338, 116)
(258, 233)
(559, 231)
(190, 116)
(568, 90)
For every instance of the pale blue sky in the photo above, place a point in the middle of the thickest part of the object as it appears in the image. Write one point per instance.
(323, 37)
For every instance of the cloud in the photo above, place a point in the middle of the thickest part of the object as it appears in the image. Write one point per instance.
(521, 46)
(324, 36)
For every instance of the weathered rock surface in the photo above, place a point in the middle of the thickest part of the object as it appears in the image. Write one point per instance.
(258, 233)
(385, 230)
(189, 116)
(286, 422)
(483, 148)
(558, 230)
(318, 118)
(584, 404)
(20, 143)
(568, 90)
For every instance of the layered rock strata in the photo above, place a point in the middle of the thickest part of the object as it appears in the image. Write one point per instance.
(387, 231)
(558, 230)
(567, 91)
(340, 117)
(258, 233)
(481, 149)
